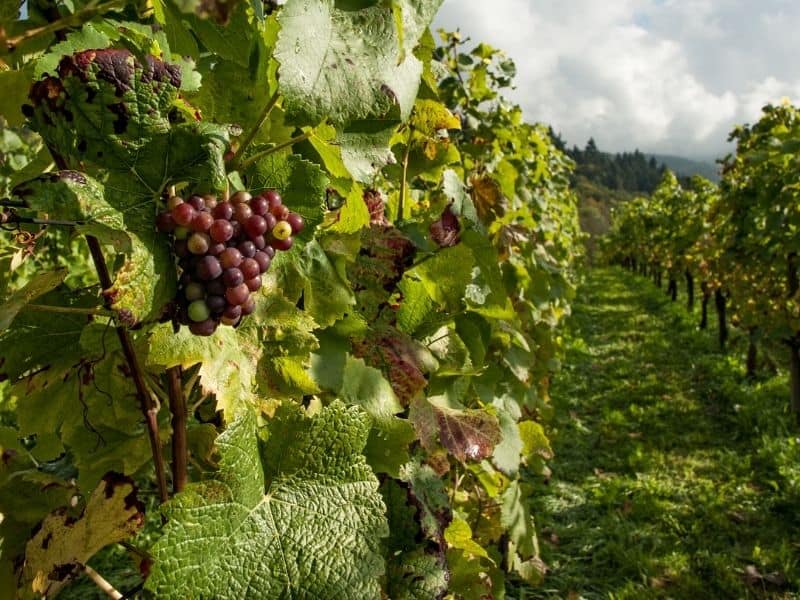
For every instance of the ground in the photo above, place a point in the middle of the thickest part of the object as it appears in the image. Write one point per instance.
(673, 476)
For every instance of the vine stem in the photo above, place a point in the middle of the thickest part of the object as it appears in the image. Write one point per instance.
(108, 589)
(287, 144)
(403, 180)
(177, 406)
(148, 407)
(237, 159)
(67, 310)
(82, 16)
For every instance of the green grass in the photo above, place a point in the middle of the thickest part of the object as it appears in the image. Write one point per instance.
(672, 474)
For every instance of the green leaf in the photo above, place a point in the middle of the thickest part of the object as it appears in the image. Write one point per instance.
(459, 535)
(301, 516)
(523, 553)
(27, 344)
(446, 275)
(301, 183)
(430, 496)
(365, 147)
(455, 190)
(63, 544)
(39, 285)
(416, 576)
(344, 64)
(145, 281)
(228, 361)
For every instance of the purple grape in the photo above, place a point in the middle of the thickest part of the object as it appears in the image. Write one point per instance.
(216, 304)
(248, 249)
(237, 295)
(263, 260)
(221, 230)
(204, 328)
(208, 268)
(232, 277)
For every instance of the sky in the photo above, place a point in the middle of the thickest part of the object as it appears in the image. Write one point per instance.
(663, 76)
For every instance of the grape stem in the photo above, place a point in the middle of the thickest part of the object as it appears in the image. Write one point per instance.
(148, 407)
(68, 310)
(282, 146)
(177, 406)
(87, 13)
(237, 159)
(108, 589)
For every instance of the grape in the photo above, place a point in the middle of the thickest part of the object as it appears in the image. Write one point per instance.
(199, 243)
(296, 222)
(197, 202)
(208, 268)
(271, 221)
(248, 249)
(183, 214)
(237, 295)
(216, 304)
(165, 223)
(180, 233)
(232, 312)
(181, 248)
(263, 260)
(223, 210)
(270, 251)
(260, 206)
(282, 231)
(174, 201)
(216, 287)
(194, 291)
(250, 268)
(231, 257)
(242, 212)
(211, 201)
(215, 249)
(221, 230)
(259, 242)
(273, 198)
(283, 244)
(280, 212)
(232, 277)
(248, 306)
(229, 321)
(202, 222)
(204, 328)
(198, 311)
(255, 226)
(254, 284)
(241, 198)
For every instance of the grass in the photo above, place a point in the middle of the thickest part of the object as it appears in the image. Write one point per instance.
(674, 477)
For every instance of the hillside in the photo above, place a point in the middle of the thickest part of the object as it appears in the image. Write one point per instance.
(685, 167)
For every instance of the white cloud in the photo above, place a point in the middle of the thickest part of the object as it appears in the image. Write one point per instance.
(669, 76)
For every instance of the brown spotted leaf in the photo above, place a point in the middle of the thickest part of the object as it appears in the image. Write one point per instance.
(468, 434)
(398, 356)
(64, 544)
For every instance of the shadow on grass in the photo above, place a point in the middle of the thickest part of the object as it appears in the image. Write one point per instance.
(672, 476)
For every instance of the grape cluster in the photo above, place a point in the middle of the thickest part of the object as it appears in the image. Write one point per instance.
(223, 249)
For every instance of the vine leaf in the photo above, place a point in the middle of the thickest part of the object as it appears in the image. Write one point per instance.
(429, 495)
(122, 120)
(40, 284)
(417, 576)
(63, 544)
(469, 435)
(330, 69)
(523, 548)
(227, 360)
(141, 285)
(299, 515)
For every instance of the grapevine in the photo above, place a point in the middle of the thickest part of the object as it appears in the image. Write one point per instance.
(337, 273)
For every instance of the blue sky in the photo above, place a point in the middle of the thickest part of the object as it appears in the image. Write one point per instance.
(670, 76)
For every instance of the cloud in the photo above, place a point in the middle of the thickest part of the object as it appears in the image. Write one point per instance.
(669, 76)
